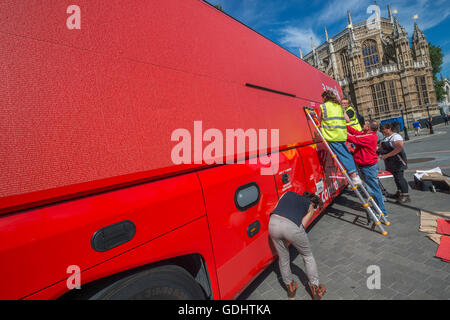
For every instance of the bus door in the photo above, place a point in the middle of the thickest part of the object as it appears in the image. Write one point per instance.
(290, 175)
(238, 201)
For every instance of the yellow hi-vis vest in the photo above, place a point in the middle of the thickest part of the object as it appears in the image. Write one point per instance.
(354, 123)
(333, 126)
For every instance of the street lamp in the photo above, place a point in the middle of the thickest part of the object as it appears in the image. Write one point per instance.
(405, 124)
(405, 130)
(431, 122)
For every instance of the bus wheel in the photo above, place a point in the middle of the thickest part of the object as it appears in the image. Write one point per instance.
(161, 283)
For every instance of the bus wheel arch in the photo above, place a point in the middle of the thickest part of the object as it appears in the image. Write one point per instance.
(185, 277)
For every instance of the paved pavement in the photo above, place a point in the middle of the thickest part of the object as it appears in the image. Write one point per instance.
(344, 246)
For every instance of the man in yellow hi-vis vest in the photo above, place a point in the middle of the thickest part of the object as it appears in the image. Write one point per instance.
(334, 130)
(351, 113)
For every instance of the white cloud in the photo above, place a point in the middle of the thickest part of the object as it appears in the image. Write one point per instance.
(254, 13)
(430, 13)
(294, 37)
(446, 60)
(297, 31)
(337, 10)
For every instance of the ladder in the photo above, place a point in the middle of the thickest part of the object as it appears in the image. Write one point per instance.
(368, 202)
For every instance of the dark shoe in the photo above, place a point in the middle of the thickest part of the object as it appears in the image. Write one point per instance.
(317, 292)
(291, 290)
(395, 196)
(404, 199)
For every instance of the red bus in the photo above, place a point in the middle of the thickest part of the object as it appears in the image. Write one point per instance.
(87, 181)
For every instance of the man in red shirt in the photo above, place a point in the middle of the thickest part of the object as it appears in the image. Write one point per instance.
(366, 158)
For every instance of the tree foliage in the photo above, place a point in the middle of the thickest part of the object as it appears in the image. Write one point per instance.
(437, 59)
(218, 6)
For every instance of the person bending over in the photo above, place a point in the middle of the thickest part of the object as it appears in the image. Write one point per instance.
(287, 224)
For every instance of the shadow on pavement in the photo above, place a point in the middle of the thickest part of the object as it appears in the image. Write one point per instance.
(273, 267)
(356, 220)
(417, 208)
(439, 187)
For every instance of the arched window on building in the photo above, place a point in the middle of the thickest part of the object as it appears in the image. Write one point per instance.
(380, 98)
(370, 54)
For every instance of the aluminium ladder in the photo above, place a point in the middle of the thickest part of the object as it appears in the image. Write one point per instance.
(368, 204)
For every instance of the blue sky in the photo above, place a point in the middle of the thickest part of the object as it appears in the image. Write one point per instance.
(292, 23)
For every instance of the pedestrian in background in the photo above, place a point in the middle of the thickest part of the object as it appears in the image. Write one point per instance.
(287, 224)
(430, 125)
(380, 137)
(416, 125)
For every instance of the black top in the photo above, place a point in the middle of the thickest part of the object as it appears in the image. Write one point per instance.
(293, 207)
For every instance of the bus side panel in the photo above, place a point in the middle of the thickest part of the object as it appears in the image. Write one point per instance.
(240, 256)
(309, 168)
(267, 110)
(176, 243)
(83, 108)
(314, 177)
(290, 176)
(112, 115)
(39, 245)
(187, 35)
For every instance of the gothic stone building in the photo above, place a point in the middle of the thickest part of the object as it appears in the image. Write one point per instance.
(379, 69)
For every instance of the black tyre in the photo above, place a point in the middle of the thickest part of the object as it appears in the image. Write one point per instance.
(161, 283)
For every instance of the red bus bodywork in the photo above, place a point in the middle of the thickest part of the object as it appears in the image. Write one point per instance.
(87, 118)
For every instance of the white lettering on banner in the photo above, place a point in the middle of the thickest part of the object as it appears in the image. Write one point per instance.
(325, 194)
(334, 90)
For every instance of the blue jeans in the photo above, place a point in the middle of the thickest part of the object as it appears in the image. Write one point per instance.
(370, 176)
(344, 155)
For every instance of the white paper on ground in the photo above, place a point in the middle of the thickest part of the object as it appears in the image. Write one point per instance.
(420, 173)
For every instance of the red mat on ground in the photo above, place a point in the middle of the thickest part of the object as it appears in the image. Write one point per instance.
(443, 226)
(384, 174)
(443, 251)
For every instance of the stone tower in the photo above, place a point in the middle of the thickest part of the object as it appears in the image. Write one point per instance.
(377, 68)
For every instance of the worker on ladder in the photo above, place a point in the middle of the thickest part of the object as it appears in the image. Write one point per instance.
(330, 124)
(334, 131)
